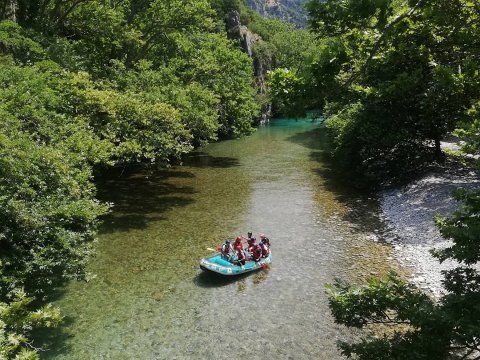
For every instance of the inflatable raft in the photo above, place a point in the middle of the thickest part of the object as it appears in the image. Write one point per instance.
(221, 266)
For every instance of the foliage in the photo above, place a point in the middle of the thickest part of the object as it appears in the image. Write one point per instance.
(394, 78)
(464, 228)
(46, 194)
(17, 322)
(14, 41)
(287, 90)
(211, 60)
(284, 47)
(393, 63)
(420, 327)
(469, 130)
(155, 80)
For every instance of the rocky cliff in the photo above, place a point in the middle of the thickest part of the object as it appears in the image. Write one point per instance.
(288, 10)
(261, 65)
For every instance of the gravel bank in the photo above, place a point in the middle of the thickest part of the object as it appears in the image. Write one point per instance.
(408, 213)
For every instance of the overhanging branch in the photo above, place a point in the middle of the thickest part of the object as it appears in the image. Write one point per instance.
(379, 41)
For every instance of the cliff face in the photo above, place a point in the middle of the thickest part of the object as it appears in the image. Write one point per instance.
(288, 10)
(261, 66)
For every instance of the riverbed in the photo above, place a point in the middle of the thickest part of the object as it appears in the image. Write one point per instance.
(148, 299)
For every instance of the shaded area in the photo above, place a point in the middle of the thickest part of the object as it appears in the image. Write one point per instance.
(362, 205)
(202, 159)
(140, 195)
(54, 341)
(212, 280)
(141, 198)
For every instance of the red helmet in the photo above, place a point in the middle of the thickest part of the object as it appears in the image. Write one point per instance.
(262, 236)
(238, 238)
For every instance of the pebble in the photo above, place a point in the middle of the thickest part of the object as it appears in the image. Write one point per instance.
(409, 212)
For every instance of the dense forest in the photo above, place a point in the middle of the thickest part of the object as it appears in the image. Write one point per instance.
(160, 78)
(156, 80)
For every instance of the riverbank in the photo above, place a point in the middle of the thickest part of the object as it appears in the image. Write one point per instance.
(409, 212)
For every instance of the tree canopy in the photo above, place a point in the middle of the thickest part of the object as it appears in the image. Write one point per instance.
(394, 78)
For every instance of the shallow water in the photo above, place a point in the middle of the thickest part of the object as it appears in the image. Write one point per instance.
(149, 300)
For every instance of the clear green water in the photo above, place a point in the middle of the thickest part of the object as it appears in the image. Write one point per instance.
(149, 299)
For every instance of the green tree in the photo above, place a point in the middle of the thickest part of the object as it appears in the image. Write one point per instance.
(420, 328)
(17, 322)
(288, 92)
(391, 81)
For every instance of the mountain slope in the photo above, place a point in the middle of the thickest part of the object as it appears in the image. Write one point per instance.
(289, 10)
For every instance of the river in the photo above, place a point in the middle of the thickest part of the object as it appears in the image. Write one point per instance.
(149, 299)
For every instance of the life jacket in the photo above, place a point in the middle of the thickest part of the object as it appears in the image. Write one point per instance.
(241, 257)
(266, 241)
(251, 245)
(265, 249)
(226, 249)
(237, 243)
(257, 252)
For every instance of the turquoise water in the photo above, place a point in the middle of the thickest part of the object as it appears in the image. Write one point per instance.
(150, 300)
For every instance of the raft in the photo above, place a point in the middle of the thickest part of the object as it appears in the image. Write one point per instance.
(221, 266)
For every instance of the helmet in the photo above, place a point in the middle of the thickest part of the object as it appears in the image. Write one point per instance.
(227, 242)
(238, 238)
(254, 238)
(249, 234)
(262, 236)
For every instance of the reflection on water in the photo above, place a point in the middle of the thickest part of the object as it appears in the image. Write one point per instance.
(149, 299)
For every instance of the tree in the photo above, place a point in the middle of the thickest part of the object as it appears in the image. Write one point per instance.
(392, 84)
(17, 322)
(419, 327)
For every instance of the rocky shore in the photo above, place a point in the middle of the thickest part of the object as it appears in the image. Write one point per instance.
(409, 212)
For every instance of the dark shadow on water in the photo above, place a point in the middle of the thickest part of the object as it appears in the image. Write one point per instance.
(213, 280)
(54, 341)
(202, 159)
(141, 195)
(140, 198)
(363, 203)
(315, 139)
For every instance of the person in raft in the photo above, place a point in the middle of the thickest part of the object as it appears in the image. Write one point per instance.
(227, 250)
(265, 240)
(241, 257)
(265, 248)
(252, 242)
(238, 242)
(256, 252)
